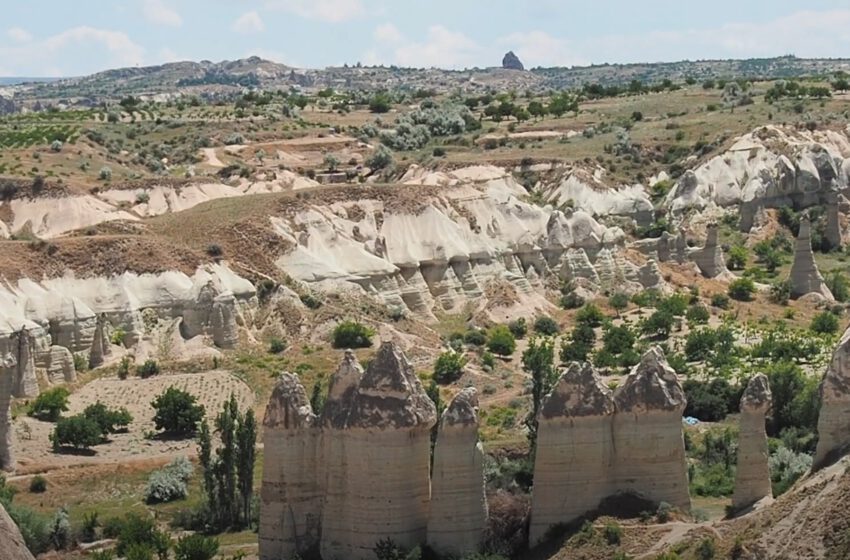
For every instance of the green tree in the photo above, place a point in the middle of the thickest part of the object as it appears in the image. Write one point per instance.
(742, 289)
(449, 367)
(351, 334)
(590, 315)
(176, 412)
(737, 257)
(659, 324)
(538, 361)
(246, 451)
(546, 326)
(824, 322)
(619, 301)
(838, 284)
(77, 432)
(109, 420)
(50, 404)
(380, 103)
(225, 424)
(536, 109)
(501, 341)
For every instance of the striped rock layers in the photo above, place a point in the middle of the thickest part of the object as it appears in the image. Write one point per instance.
(593, 444)
(752, 479)
(458, 514)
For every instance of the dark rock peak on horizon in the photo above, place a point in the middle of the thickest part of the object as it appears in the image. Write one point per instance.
(512, 62)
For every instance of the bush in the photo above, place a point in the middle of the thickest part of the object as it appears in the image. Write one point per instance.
(786, 467)
(277, 345)
(720, 300)
(50, 404)
(137, 531)
(706, 549)
(350, 334)
(737, 257)
(518, 328)
(105, 174)
(449, 367)
(176, 412)
(147, 369)
(711, 401)
(546, 326)
(60, 530)
(697, 315)
(501, 341)
(619, 301)
(123, 370)
(77, 432)
(195, 547)
(659, 324)
(742, 289)
(170, 482)
(38, 484)
(381, 159)
(571, 300)
(780, 292)
(590, 315)
(613, 533)
(108, 420)
(824, 322)
(475, 337)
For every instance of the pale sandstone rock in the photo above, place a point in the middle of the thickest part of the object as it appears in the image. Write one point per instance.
(833, 222)
(710, 259)
(650, 276)
(648, 436)
(101, 345)
(752, 478)
(805, 276)
(387, 434)
(291, 495)
(575, 453)
(834, 418)
(8, 371)
(12, 542)
(458, 514)
(60, 366)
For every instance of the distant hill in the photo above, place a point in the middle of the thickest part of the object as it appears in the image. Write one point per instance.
(13, 81)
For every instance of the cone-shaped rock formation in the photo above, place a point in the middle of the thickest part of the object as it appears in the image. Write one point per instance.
(458, 501)
(805, 276)
(752, 480)
(710, 259)
(834, 419)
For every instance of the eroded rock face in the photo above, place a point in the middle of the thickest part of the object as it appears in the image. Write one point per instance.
(575, 452)
(805, 276)
(8, 370)
(60, 365)
(458, 514)
(833, 222)
(358, 474)
(387, 434)
(511, 62)
(12, 542)
(710, 259)
(291, 495)
(648, 437)
(834, 418)
(752, 478)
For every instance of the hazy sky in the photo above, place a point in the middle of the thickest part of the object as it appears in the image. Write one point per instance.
(62, 38)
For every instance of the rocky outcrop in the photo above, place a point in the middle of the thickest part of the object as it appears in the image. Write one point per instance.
(575, 450)
(593, 444)
(511, 62)
(834, 418)
(8, 371)
(833, 222)
(291, 495)
(60, 365)
(358, 475)
(11, 541)
(458, 514)
(752, 478)
(805, 276)
(648, 436)
(386, 434)
(709, 258)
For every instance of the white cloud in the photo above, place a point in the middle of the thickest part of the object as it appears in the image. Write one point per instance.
(19, 35)
(442, 48)
(60, 54)
(249, 22)
(157, 12)
(333, 11)
(387, 33)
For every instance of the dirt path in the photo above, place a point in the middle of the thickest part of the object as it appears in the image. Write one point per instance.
(212, 157)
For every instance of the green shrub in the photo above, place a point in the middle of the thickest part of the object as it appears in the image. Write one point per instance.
(786, 467)
(449, 367)
(824, 322)
(518, 328)
(500, 341)
(277, 345)
(177, 412)
(613, 533)
(697, 314)
(590, 315)
(475, 337)
(170, 482)
(619, 301)
(546, 326)
(38, 484)
(50, 404)
(742, 289)
(720, 300)
(118, 337)
(711, 401)
(737, 257)
(780, 292)
(488, 360)
(108, 420)
(659, 324)
(706, 549)
(350, 334)
(195, 547)
(123, 370)
(77, 432)
(60, 530)
(147, 369)
(140, 531)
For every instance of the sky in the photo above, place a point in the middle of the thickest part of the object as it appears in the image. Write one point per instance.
(41, 38)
